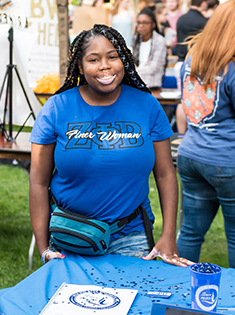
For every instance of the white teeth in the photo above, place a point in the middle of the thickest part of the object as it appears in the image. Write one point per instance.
(106, 78)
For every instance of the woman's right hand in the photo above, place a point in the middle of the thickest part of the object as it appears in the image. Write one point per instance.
(48, 255)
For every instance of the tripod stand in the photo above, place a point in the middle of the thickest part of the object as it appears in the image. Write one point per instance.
(9, 93)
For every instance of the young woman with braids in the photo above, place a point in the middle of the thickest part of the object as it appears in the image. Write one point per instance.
(102, 138)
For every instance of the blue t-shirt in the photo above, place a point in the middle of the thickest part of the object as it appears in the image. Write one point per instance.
(210, 137)
(103, 154)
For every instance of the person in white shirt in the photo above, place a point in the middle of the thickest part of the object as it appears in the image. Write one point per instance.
(149, 49)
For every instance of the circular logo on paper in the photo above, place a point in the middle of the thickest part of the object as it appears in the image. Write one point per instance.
(94, 299)
(206, 297)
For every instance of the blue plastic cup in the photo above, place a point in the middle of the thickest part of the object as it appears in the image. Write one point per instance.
(205, 287)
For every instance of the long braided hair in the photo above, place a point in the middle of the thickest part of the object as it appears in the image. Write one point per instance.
(77, 50)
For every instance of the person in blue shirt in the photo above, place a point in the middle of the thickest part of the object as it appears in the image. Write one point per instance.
(95, 143)
(206, 162)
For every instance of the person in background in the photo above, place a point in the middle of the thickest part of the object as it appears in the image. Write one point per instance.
(160, 11)
(211, 6)
(98, 3)
(149, 49)
(150, 53)
(206, 162)
(164, 27)
(143, 4)
(122, 18)
(95, 145)
(188, 24)
(181, 121)
(174, 13)
(180, 115)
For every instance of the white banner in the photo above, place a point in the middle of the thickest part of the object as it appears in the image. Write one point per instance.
(45, 53)
(35, 51)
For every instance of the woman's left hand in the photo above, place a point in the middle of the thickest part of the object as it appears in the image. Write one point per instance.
(169, 254)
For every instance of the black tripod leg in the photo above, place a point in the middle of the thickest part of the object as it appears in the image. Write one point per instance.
(10, 90)
(27, 99)
(25, 94)
(5, 106)
(22, 125)
(4, 132)
(3, 83)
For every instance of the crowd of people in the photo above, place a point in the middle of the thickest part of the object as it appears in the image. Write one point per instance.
(173, 20)
(168, 24)
(112, 72)
(124, 16)
(154, 31)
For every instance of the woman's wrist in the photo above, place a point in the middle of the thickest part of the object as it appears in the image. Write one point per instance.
(169, 235)
(43, 255)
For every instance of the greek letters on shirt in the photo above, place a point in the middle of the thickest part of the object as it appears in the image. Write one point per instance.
(106, 136)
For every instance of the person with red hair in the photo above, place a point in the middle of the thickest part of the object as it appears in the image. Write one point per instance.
(206, 163)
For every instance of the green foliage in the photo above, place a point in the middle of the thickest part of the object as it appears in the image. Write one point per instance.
(76, 2)
(15, 226)
(16, 231)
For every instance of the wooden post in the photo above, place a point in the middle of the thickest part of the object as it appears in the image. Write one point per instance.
(62, 6)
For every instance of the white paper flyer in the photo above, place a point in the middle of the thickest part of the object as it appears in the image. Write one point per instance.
(89, 299)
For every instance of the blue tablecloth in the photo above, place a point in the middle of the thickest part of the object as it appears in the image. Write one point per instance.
(114, 271)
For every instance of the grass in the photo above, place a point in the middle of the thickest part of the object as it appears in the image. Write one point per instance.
(15, 227)
(16, 231)
(16, 128)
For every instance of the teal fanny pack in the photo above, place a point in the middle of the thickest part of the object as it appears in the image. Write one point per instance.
(83, 235)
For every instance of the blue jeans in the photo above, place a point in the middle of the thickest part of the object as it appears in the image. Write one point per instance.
(205, 188)
(134, 244)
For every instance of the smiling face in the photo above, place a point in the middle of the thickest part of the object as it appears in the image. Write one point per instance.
(145, 26)
(103, 71)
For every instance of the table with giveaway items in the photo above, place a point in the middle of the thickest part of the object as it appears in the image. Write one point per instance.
(111, 271)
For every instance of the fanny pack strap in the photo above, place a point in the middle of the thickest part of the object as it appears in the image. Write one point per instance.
(148, 228)
(118, 225)
(53, 202)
